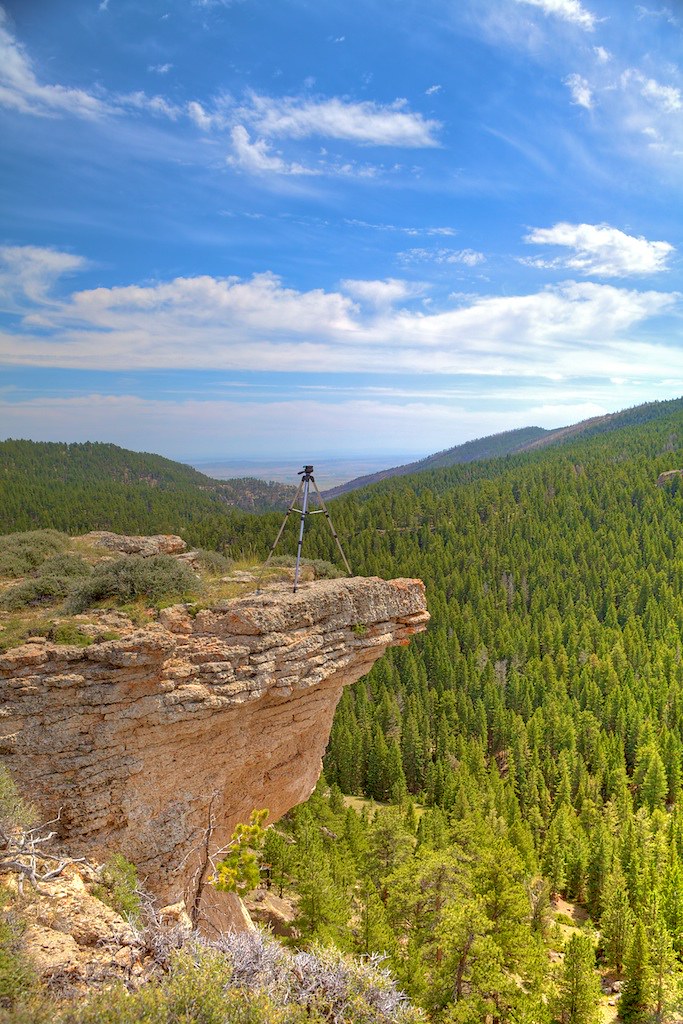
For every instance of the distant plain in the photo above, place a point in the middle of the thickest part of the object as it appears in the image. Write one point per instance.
(328, 472)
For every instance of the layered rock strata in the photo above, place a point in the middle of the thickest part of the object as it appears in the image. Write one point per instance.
(158, 743)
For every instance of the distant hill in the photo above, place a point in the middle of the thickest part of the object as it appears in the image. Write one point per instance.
(512, 442)
(91, 486)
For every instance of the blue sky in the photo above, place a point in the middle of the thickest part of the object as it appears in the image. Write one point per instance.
(268, 227)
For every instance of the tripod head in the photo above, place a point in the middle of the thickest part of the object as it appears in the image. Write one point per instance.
(306, 472)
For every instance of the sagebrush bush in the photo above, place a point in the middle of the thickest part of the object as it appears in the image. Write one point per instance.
(22, 552)
(322, 570)
(53, 580)
(213, 562)
(126, 579)
(249, 978)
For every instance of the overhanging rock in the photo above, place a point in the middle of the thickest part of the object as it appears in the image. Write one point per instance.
(158, 743)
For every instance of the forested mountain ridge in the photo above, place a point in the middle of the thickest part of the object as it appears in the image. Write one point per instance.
(514, 441)
(491, 447)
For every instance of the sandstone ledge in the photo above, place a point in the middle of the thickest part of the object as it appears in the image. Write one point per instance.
(144, 743)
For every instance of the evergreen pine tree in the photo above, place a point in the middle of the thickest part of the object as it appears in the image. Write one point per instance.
(636, 998)
(578, 999)
(617, 920)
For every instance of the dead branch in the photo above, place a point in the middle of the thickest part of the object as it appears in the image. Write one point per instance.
(23, 854)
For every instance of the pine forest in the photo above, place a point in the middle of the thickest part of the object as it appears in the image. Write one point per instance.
(501, 812)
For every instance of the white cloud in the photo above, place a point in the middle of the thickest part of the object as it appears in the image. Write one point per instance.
(580, 90)
(199, 116)
(602, 250)
(160, 69)
(432, 90)
(568, 10)
(256, 157)
(259, 324)
(665, 96)
(603, 55)
(367, 123)
(470, 257)
(382, 294)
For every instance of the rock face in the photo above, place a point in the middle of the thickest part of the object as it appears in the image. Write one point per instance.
(159, 544)
(158, 743)
(668, 476)
(76, 942)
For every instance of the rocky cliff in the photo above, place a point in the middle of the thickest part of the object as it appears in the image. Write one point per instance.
(157, 743)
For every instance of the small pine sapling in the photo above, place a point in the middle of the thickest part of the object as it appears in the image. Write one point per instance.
(239, 871)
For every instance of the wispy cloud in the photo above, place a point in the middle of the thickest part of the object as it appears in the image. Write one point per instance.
(366, 123)
(410, 230)
(29, 272)
(257, 158)
(432, 90)
(601, 250)
(20, 89)
(568, 10)
(469, 257)
(252, 125)
(666, 97)
(580, 90)
(662, 13)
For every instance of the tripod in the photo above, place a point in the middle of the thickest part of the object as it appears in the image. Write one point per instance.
(307, 479)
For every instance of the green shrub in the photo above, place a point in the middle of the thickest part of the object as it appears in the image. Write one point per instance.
(17, 976)
(119, 887)
(15, 812)
(22, 552)
(69, 633)
(126, 579)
